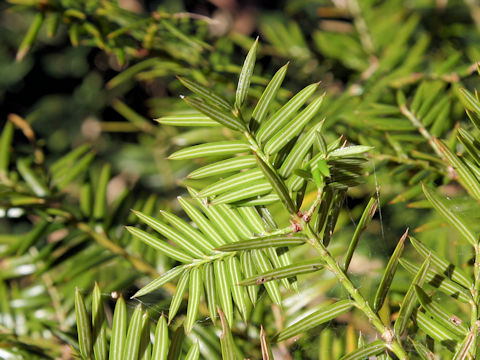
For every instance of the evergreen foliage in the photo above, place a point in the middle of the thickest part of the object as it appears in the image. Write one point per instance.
(261, 215)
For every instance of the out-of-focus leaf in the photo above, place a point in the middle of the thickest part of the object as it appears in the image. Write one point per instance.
(100, 203)
(61, 180)
(68, 160)
(32, 236)
(32, 179)
(5, 143)
(31, 35)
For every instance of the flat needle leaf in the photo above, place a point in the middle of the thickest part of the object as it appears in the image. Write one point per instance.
(84, 326)
(321, 316)
(388, 274)
(245, 76)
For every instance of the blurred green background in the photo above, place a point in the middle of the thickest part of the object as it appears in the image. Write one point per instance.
(109, 69)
